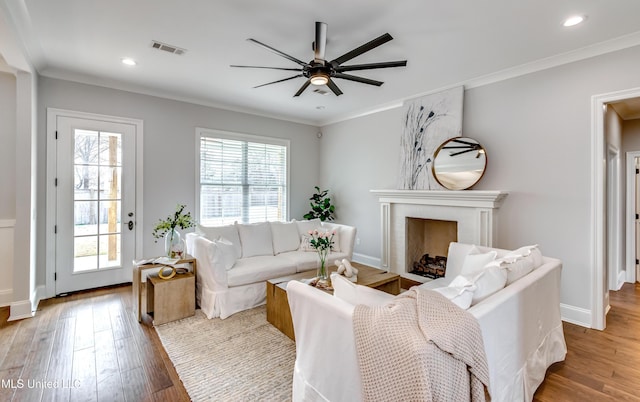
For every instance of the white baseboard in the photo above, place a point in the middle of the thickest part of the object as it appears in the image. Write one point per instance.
(39, 294)
(575, 315)
(20, 310)
(367, 260)
(622, 277)
(5, 297)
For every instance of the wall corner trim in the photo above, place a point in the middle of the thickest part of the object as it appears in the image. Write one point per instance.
(20, 310)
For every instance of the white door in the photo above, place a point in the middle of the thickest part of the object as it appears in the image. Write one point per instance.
(95, 203)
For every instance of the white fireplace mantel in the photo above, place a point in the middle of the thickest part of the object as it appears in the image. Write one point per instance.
(475, 211)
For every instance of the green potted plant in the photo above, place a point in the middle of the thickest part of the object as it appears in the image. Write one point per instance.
(321, 206)
(173, 245)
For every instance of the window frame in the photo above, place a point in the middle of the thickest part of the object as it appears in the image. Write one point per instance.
(229, 135)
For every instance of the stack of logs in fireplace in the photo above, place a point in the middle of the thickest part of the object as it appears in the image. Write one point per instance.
(430, 267)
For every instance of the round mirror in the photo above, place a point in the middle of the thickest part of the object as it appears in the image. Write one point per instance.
(459, 163)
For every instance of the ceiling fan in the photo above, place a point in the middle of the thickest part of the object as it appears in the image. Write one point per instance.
(320, 71)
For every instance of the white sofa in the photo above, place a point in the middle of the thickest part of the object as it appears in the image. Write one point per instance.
(234, 261)
(521, 328)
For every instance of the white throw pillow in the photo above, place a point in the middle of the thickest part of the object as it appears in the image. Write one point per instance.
(229, 232)
(305, 226)
(520, 262)
(487, 277)
(356, 294)
(460, 296)
(491, 280)
(227, 250)
(305, 243)
(474, 262)
(285, 236)
(256, 239)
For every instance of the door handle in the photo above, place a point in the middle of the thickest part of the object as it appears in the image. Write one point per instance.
(130, 224)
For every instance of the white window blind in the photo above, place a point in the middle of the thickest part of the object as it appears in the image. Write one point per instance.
(241, 180)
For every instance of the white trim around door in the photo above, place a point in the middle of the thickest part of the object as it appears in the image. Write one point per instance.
(598, 204)
(50, 239)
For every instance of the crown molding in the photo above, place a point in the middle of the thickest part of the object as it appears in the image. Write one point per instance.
(619, 43)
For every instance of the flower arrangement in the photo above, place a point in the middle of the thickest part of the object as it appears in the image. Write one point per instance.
(179, 219)
(322, 243)
(167, 228)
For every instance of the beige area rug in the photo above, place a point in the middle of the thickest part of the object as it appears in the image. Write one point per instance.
(241, 358)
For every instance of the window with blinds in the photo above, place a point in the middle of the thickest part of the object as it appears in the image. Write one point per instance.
(242, 179)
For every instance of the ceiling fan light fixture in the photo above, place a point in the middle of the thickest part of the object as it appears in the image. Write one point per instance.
(319, 79)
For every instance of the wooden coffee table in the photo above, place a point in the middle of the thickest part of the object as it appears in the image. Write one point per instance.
(278, 313)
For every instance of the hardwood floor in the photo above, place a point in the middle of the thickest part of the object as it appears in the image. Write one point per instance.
(93, 346)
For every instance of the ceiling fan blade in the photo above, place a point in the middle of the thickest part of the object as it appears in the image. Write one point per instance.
(471, 144)
(282, 80)
(302, 88)
(320, 43)
(461, 152)
(380, 40)
(358, 79)
(276, 51)
(371, 66)
(269, 68)
(332, 86)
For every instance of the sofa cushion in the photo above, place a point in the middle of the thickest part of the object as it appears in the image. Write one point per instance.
(229, 232)
(305, 226)
(256, 239)
(259, 269)
(356, 294)
(520, 262)
(460, 296)
(475, 261)
(227, 251)
(285, 236)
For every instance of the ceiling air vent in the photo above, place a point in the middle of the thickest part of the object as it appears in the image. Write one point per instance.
(167, 48)
(320, 91)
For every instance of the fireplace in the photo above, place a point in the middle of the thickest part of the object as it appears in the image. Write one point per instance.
(427, 245)
(474, 214)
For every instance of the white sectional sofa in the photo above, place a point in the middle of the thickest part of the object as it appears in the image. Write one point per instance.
(234, 261)
(520, 324)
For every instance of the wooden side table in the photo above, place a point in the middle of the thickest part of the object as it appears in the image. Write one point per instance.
(171, 299)
(139, 286)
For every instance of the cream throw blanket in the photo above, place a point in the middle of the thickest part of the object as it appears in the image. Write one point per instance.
(420, 347)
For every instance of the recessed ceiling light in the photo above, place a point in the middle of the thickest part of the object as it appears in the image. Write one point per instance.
(128, 61)
(572, 21)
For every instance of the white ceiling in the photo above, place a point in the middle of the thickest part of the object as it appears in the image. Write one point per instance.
(446, 43)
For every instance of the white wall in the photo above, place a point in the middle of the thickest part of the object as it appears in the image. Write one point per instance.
(169, 146)
(537, 132)
(8, 146)
(7, 182)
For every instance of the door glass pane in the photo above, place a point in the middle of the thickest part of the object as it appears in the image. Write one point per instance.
(109, 251)
(97, 199)
(110, 217)
(85, 182)
(110, 179)
(85, 253)
(85, 218)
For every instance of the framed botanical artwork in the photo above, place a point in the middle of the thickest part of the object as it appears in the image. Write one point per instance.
(427, 123)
